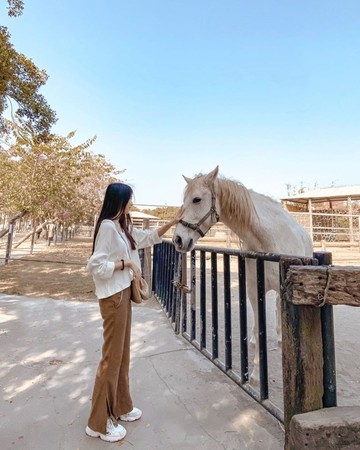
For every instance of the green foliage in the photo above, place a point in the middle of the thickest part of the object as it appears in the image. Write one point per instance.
(20, 81)
(15, 7)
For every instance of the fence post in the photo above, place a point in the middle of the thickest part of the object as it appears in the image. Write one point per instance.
(33, 239)
(351, 230)
(301, 353)
(177, 297)
(311, 231)
(184, 314)
(9, 241)
(147, 257)
(327, 325)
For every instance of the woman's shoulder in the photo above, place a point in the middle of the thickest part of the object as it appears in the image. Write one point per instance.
(107, 225)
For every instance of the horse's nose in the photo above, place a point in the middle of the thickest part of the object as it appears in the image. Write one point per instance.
(178, 241)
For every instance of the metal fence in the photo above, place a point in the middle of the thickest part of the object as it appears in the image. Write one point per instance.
(330, 227)
(204, 296)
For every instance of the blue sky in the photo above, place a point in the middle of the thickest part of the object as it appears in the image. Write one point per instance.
(269, 90)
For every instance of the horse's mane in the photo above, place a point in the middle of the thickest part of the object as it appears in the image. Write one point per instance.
(234, 198)
(236, 203)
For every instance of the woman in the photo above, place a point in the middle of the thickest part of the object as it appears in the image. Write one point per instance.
(113, 264)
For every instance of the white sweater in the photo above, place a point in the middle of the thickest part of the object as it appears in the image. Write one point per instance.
(111, 246)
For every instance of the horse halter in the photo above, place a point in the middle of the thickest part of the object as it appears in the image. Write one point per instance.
(214, 218)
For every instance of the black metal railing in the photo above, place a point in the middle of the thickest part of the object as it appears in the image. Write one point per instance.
(189, 290)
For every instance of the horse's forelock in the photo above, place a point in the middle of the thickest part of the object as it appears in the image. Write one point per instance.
(192, 184)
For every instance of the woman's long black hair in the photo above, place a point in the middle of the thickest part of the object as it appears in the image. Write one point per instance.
(116, 198)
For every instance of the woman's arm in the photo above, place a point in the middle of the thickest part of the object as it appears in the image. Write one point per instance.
(99, 264)
(147, 238)
(166, 227)
(128, 264)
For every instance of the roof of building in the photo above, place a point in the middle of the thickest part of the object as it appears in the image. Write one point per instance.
(335, 193)
(141, 215)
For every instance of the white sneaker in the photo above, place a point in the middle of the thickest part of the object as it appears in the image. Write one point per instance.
(113, 433)
(133, 415)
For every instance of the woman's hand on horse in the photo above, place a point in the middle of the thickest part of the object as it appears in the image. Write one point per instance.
(179, 215)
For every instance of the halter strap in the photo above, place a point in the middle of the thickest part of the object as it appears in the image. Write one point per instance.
(212, 212)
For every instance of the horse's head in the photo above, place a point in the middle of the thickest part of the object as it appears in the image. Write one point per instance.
(201, 211)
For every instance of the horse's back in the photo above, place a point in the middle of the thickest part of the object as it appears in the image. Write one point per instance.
(280, 232)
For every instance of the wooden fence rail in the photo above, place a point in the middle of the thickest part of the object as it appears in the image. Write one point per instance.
(317, 286)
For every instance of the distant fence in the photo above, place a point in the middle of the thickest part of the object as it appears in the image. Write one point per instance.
(338, 229)
(322, 227)
(330, 227)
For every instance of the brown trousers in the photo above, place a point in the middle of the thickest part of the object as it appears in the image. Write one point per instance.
(111, 395)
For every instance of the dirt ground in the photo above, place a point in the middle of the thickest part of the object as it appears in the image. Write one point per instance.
(58, 271)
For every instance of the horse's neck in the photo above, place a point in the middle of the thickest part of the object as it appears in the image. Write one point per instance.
(260, 222)
(238, 211)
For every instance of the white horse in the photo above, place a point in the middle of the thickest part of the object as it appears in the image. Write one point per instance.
(261, 223)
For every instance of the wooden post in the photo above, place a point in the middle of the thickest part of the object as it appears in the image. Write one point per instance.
(9, 242)
(301, 353)
(147, 257)
(178, 292)
(311, 231)
(12, 220)
(32, 240)
(351, 228)
(318, 287)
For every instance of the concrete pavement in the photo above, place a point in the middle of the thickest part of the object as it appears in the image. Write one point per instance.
(49, 354)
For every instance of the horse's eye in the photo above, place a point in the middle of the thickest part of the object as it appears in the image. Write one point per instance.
(197, 200)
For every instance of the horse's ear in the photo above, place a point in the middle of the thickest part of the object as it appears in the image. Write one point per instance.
(210, 177)
(187, 179)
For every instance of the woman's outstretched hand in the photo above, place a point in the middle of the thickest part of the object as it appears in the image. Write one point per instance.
(179, 215)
